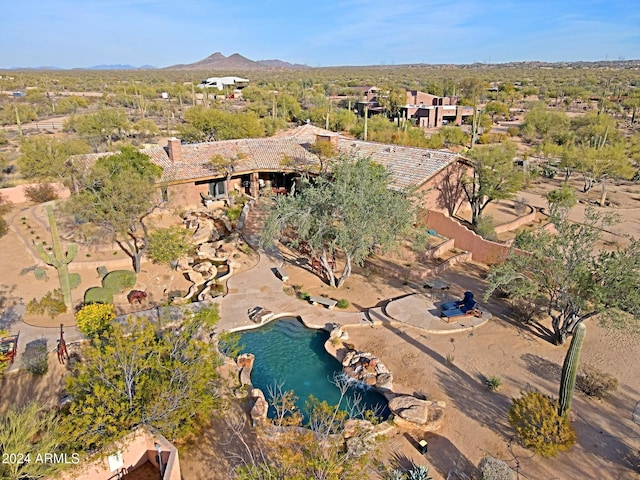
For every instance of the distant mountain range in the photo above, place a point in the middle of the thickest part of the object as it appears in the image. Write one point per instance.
(234, 62)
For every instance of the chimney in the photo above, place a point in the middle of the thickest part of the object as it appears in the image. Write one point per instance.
(328, 138)
(174, 148)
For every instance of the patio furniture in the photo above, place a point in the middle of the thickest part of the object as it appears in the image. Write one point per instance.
(436, 287)
(9, 348)
(461, 308)
(282, 273)
(327, 302)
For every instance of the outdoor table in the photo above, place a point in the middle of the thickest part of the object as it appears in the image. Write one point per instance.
(436, 288)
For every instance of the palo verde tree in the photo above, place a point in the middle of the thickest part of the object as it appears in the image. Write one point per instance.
(138, 374)
(44, 157)
(116, 196)
(574, 280)
(495, 177)
(26, 433)
(350, 211)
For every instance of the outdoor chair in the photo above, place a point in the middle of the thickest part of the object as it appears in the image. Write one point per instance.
(461, 308)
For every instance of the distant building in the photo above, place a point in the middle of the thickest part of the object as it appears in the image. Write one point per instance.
(426, 110)
(221, 82)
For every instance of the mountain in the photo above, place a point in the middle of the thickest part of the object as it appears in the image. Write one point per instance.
(119, 67)
(280, 64)
(234, 62)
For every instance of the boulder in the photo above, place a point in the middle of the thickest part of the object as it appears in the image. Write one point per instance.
(256, 393)
(203, 267)
(384, 382)
(245, 360)
(195, 277)
(207, 250)
(245, 376)
(423, 414)
(259, 410)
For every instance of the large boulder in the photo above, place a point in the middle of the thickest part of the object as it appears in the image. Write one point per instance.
(260, 407)
(413, 412)
(245, 360)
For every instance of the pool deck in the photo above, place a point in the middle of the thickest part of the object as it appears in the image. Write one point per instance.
(261, 287)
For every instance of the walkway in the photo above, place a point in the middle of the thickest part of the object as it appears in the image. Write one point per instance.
(261, 287)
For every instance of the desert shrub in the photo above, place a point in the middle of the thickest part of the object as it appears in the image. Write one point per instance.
(596, 383)
(343, 303)
(486, 138)
(513, 131)
(40, 274)
(521, 206)
(51, 304)
(40, 193)
(486, 229)
(538, 424)
(233, 213)
(119, 280)
(417, 472)
(98, 295)
(34, 358)
(494, 469)
(74, 280)
(95, 319)
(493, 383)
(4, 227)
(303, 295)
(169, 244)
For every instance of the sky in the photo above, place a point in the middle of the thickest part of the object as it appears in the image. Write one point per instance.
(84, 33)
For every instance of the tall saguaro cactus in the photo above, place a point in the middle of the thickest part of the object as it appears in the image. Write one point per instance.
(570, 369)
(59, 260)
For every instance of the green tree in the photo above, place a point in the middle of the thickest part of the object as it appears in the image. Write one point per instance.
(573, 279)
(44, 157)
(28, 430)
(167, 245)
(104, 126)
(351, 212)
(117, 195)
(208, 125)
(138, 374)
(494, 109)
(392, 99)
(495, 177)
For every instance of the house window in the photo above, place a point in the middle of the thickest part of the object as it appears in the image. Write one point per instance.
(165, 193)
(217, 189)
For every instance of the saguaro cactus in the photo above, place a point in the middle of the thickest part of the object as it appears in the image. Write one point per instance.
(60, 261)
(570, 369)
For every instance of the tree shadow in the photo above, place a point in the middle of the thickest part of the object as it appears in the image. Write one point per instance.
(10, 312)
(541, 367)
(466, 393)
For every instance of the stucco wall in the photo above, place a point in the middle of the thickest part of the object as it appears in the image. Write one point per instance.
(443, 192)
(137, 448)
(482, 250)
(17, 195)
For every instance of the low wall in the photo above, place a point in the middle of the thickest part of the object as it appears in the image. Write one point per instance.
(483, 251)
(416, 274)
(518, 222)
(17, 194)
(136, 449)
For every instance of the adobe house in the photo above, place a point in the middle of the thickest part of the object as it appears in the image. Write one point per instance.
(275, 163)
(432, 111)
(426, 110)
(142, 454)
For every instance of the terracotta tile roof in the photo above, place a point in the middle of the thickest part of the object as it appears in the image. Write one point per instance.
(408, 166)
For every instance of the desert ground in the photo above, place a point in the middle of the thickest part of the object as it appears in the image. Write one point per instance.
(451, 367)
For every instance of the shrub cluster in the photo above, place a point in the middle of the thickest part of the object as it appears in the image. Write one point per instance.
(95, 319)
(112, 283)
(40, 193)
(494, 469)
(596, 383)
(538, 424)
(34, 358)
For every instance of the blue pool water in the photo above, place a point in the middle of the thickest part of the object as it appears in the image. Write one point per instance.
(290, 354)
